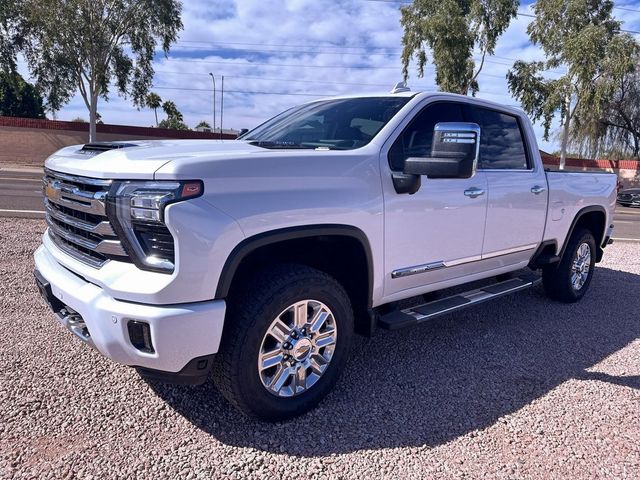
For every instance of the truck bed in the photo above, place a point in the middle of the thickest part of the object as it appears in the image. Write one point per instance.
(570, 192)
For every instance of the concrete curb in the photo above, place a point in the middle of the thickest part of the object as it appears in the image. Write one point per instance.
(625, 240)
(19, 169)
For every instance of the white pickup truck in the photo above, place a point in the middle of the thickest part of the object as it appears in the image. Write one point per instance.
(256, 260)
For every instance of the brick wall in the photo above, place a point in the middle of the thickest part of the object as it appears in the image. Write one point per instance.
(29, 141)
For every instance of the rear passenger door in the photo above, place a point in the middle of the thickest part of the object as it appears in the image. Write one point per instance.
(517, 188)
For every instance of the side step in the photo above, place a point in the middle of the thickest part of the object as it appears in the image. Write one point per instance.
(415, 315)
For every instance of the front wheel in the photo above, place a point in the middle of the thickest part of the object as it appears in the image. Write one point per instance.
(286, 339)
(569, 279)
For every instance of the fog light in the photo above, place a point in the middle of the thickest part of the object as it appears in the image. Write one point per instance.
(140, 336)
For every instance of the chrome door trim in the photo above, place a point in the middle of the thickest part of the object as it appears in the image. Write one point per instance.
(426, 267)
(460, 261)
(508, 251)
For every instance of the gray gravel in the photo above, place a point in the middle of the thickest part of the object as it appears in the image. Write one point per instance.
(519, 388)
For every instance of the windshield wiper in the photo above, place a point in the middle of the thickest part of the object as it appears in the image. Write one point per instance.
(278, 145)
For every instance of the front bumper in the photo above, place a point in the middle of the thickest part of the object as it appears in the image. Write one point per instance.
(629, 201)
(179, 333)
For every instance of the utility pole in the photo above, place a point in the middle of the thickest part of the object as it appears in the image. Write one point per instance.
(213, 79)
(221, 106)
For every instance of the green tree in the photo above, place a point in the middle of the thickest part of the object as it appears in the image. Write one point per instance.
(172, 123)
(19, 98)
(614, 132)
(154, 102)
(451, 30)
(583, 38)
(203, 124)
(10, 33)
(81, 45)
(174, 120)
(171, 110)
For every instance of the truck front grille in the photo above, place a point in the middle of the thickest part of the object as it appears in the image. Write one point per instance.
(75, 211)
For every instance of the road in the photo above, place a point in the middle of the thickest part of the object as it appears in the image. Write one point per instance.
(21, 196)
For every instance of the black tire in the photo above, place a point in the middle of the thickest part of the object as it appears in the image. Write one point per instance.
(557, 278)
(249, 315)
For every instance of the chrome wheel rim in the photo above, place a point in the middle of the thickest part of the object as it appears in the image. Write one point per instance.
(297, 348)
(581, 266)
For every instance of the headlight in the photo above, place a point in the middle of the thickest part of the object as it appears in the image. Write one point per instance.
(136, 211)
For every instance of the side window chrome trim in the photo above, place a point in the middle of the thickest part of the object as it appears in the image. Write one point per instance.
(519, 170)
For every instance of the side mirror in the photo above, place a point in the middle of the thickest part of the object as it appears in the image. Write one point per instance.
(454, 152)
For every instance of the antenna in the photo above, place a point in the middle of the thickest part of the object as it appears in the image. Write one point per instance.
(400, 87)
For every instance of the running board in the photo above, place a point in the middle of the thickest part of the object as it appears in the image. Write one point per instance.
(415, 315)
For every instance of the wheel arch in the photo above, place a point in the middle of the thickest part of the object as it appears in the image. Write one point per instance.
(348, 245)
(594, 218)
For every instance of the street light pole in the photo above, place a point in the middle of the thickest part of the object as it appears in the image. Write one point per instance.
(213, 79)
(221, 106)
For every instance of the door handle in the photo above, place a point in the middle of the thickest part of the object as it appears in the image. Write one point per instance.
(537, 189)
(473, 192)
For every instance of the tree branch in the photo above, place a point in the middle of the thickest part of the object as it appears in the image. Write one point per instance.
(83, 89)
(473, 79)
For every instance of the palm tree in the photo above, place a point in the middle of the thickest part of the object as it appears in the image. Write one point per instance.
(154, 101)
(171, 110)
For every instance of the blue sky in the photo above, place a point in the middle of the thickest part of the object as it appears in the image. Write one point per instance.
(278, 53)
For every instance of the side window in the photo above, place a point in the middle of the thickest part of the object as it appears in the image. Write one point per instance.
(501, 141)
(417, 137)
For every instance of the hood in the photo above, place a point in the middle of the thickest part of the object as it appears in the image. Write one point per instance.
(632, 191)
(139, 159)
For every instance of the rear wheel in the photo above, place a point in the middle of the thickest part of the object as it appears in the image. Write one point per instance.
(569, 279)
(286, 340)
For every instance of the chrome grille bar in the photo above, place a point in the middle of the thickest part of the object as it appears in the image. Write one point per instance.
(102, 228)
(91, 260)
(75, 212)
(107, 247)
(97, 182)
(72, 197)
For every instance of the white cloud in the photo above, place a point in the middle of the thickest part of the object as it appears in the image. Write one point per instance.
(290, 47)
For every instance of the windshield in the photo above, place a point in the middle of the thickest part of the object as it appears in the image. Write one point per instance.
(342, 124)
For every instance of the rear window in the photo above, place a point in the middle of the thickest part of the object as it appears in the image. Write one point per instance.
(501, 141)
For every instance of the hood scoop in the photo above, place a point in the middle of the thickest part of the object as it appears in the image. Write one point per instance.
(99, 147)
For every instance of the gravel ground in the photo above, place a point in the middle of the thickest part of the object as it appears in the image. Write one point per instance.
(518, 388)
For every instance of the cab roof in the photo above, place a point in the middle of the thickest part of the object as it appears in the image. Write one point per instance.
(422, 94)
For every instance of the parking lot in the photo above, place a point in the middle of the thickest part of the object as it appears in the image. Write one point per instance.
(518, 388)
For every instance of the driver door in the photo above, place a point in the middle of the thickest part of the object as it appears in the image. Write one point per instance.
(435, 234)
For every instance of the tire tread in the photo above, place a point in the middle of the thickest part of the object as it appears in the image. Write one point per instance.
(243, 313)
(556, 279)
